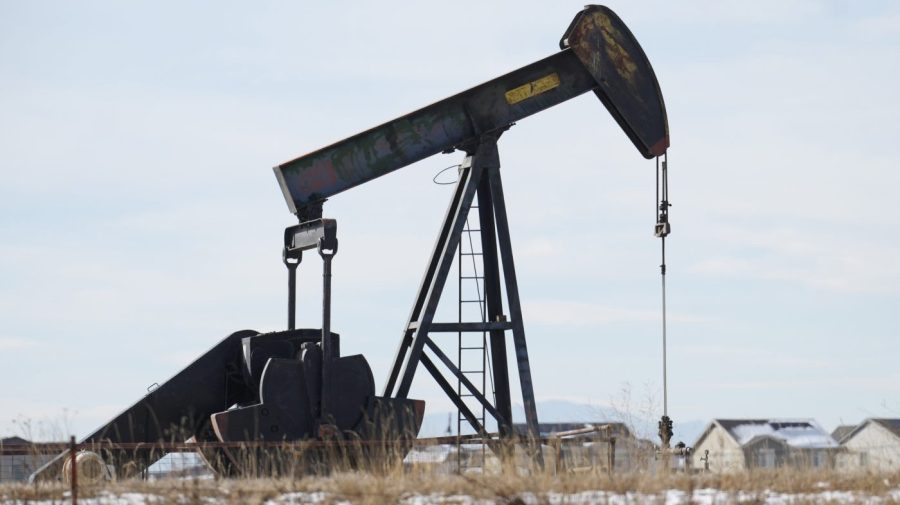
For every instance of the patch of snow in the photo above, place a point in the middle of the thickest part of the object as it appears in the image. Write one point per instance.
(437, 498)
(669, 497)
(179, 464)
(747, 432)
(101, 499)
(304, 498)
(801, 434)
(708, 496)
(429, 454)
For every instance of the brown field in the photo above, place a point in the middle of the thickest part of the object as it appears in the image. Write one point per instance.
(784, 486)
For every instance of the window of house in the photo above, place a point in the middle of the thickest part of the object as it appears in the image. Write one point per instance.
(818, 459)
(765, 458)
(864, 459)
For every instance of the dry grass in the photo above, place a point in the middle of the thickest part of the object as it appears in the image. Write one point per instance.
(368, 488)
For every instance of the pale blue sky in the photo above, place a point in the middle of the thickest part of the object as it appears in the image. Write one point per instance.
(141, 222)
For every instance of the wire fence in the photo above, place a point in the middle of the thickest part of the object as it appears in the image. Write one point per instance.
(165, 459)
(89, 463)
(18, 461)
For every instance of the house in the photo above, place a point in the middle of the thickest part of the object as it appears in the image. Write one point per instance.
(730, 445)
(591, 450)
(873, 444)
(20, 457)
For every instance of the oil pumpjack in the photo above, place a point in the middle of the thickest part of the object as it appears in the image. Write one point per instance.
(295, 385)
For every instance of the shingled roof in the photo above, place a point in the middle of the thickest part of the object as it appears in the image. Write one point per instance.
(13, 441)
(842, 431)
(892, 425)
(619, 429)
(797, 433)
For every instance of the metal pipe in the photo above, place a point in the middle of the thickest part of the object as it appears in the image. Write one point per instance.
(292, 295)
(291, 260)
(326, 307)
(73, 455)
(327, 351)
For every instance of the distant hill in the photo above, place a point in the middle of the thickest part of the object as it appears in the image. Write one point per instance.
(558, 411)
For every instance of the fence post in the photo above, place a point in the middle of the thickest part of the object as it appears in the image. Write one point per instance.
(73, 458)
(557, 444)
(611, 455)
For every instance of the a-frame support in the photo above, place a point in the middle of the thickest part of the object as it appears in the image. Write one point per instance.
(479, 174)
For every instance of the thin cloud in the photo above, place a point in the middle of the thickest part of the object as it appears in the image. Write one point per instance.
(786, 359)
(575, 313)
(884, 383)
(16, 344)
(808, 258)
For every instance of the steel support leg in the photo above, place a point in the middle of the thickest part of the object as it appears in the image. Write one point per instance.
(327, 250)
(427, 279)
(410, 350)
(462, 378)
(448, 389)
(493, 297)
(480, 174)
(515, 311)
(448, 253)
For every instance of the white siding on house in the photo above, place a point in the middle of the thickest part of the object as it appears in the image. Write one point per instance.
(736, 445)
(872, 448)
(725, 455)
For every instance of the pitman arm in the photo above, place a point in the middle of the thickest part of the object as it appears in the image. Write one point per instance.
(598, 54)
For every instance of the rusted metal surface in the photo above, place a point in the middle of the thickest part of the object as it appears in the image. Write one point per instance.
(602, 56)
(626, 83)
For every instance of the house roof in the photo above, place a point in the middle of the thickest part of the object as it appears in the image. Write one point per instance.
(892, 425)
(547, 429)
(796, 433)
(14, 441)
(842, 431)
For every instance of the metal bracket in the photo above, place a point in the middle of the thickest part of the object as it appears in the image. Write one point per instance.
(309, 234)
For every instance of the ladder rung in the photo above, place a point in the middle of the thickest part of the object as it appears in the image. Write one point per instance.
(479, 327)
(472, 371)
(479, 277)
(471, 348)
(471, 301)
(471, 254)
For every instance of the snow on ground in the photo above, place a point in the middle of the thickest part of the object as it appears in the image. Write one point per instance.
(670, 497)
(799, 433)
